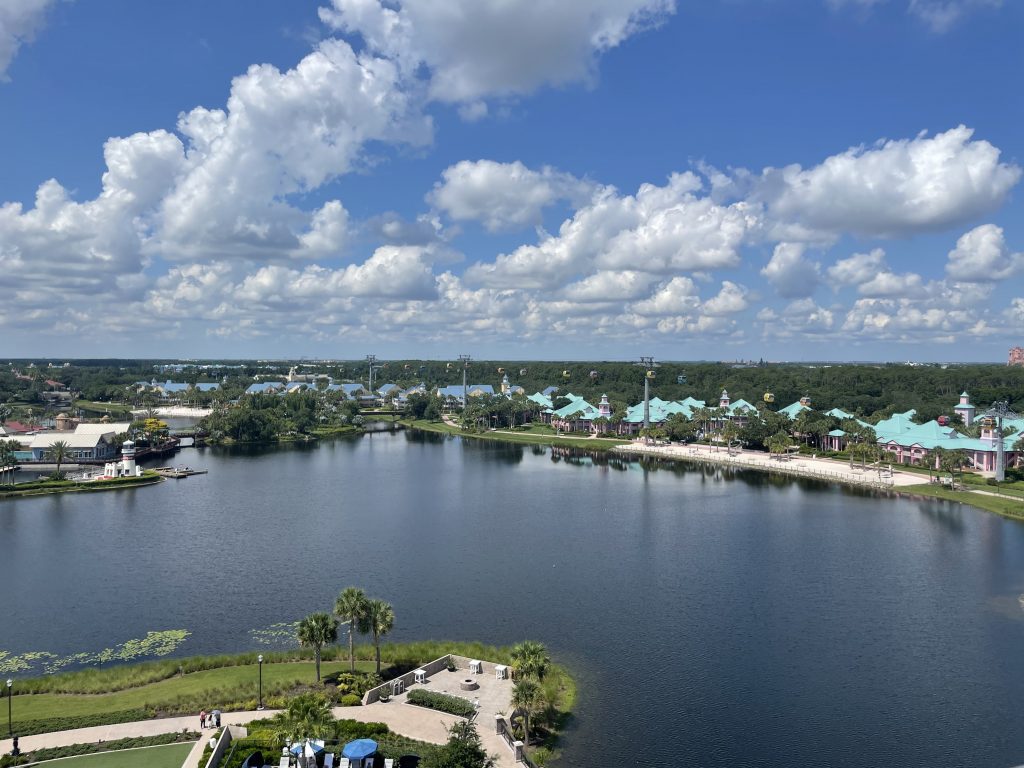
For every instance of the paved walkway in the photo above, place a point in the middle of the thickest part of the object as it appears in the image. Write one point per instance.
(135, 729)
(804, 466)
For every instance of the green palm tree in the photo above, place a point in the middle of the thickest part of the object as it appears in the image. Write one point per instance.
(59, 449)
(378, 620)
(308, 716)
(7, 461)
(316, 631)
(351, 607)
(530, 659)
(526, 697)
(5, 413)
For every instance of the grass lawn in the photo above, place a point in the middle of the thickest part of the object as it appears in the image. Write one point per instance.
(169, 756)
(546, 437)
(1008, 507)
(213, 686)
(98, 407)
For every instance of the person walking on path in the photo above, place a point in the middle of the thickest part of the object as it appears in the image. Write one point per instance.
(202, 719)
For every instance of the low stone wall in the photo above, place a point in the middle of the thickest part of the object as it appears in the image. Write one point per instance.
(229, 734)
(373, 695)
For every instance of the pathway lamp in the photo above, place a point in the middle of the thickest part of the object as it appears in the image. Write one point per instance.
(10, 729)
(1000, 410)
(260, 660)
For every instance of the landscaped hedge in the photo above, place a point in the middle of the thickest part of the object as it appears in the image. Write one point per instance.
(442, 702)
(28, 727)
(72, 750)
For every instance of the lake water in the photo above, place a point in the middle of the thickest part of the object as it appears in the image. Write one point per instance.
(711, 619)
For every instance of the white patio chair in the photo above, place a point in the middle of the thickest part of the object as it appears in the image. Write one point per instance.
(283, 763)
(388, 762)
(329, 760)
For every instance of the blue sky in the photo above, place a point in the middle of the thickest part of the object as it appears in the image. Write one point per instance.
(822, 179)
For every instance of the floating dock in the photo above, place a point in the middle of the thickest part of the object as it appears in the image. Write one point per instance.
(179, 472)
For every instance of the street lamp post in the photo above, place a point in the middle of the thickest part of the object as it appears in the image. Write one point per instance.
(10, 729)
(260, 660)
(1000, 410)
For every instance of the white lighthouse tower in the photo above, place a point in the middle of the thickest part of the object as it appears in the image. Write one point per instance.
(128, 468)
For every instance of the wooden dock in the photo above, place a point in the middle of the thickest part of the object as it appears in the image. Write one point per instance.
(179, 472)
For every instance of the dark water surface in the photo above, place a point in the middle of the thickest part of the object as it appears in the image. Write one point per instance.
(711, 620)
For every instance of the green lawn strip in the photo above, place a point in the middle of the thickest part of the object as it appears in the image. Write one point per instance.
(171, 756)
(98, 407)
(224, 687)
(1006, 507)
(72, 750)
(530, 438)
(43, 487)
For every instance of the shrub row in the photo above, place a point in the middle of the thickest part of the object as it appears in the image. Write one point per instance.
(28, 727)
(442, 702)
(72, 750)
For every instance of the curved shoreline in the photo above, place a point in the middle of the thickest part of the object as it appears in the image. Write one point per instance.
(815, 468)
(81, 488)
(900, 483)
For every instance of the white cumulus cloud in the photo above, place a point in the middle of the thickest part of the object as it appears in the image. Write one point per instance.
(503, 195)
(894, 188)
(982, 256)
(660, 230)
(476, 49)
(792, 275)
(19, 22)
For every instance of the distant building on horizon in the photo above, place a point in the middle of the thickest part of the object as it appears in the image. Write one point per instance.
(1016, 356)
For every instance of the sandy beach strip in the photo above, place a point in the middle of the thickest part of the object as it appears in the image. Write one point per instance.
(177, 410)
(830, 470)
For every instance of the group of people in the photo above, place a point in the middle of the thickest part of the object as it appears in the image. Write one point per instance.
(209, 719)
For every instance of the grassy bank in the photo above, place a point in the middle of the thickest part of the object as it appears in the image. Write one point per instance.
(129, 692)
(227, 688)
(74, 750)
(94, 406)
(1000, 505)
(170, 756)
(43, 487)
(527, 438)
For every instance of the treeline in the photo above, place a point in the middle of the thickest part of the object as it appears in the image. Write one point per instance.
(265, 418)
(861, 389)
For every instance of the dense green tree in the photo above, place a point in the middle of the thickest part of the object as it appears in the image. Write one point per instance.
(315, 631)
(351, 606)
(463, 750)
(417, 405)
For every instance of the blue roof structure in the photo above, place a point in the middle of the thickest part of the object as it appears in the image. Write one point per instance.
(264, 387)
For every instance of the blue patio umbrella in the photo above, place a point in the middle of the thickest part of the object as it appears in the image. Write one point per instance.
(358, 749)
(310, 747)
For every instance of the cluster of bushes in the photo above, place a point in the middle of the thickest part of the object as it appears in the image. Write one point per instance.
(442, 702)
(72, 750)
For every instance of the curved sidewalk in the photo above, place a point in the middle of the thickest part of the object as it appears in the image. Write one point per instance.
(135, 729)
